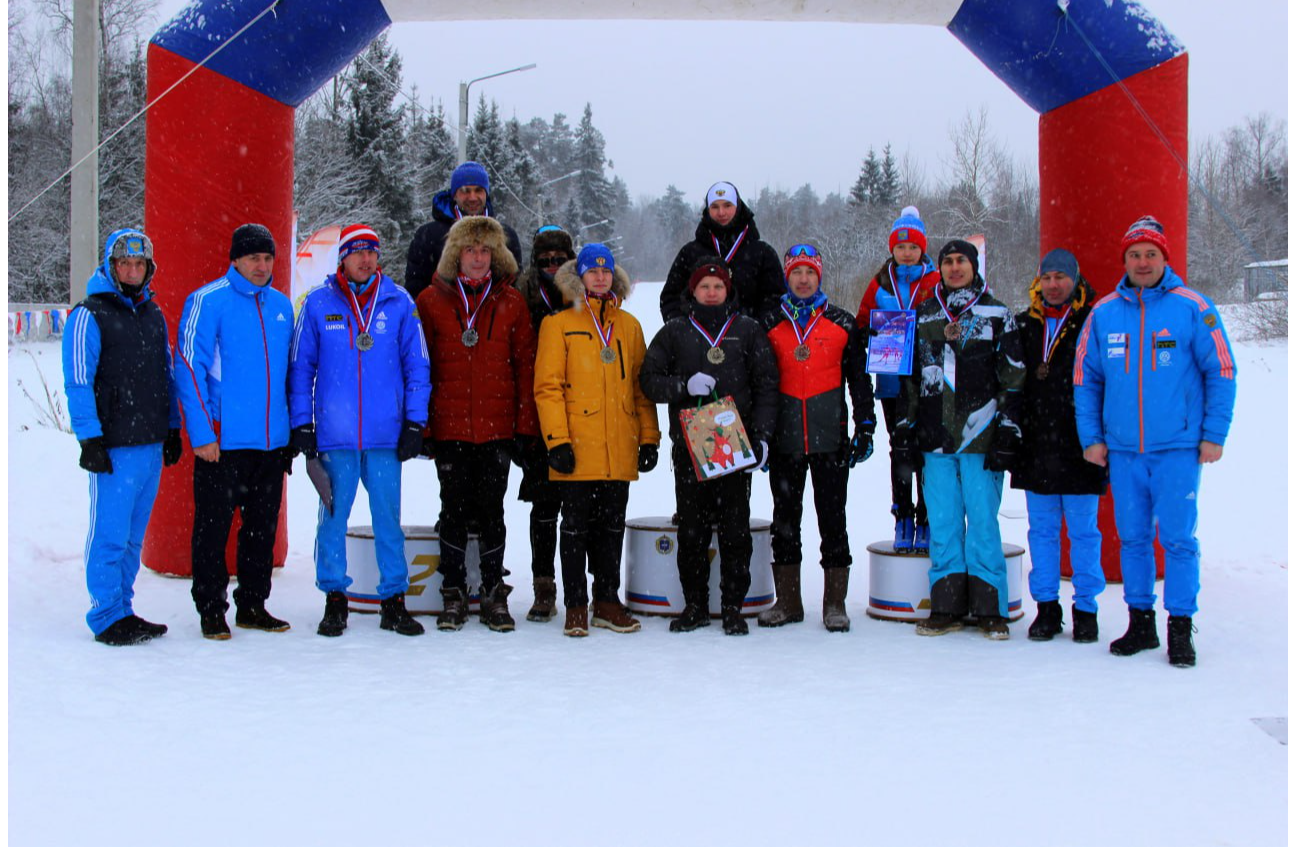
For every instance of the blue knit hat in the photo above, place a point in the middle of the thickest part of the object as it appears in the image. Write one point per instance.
(469, 173)
(909, 227)
(595, 256)
(1060, 260)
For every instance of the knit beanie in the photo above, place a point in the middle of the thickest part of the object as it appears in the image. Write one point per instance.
(802, 254)
(469, 173)
(595, 256)
(357, 237)
(251, 238)
(1148, 229)
(1062, 261)
(958, 245)
(909, 227)
(710, 267)
(722, 191)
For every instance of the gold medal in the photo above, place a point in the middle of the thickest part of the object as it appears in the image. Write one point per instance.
(802, 352)
(365, 341)
(953, 331)
(607, 355)
(470, 338)
(715, 356)
(1043, 370)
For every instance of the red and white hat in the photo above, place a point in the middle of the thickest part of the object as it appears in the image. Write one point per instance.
(1149, 229)
(357, 237)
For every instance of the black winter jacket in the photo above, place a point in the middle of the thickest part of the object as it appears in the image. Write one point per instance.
(756, 270)
(427, 244)
(1051, 460)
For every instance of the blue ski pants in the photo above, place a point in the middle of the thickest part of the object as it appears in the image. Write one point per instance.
(381, 472)
(963, 507)
(120, 504)
(1045, 512)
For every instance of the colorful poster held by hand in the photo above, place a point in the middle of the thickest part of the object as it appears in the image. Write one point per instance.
(890, 342)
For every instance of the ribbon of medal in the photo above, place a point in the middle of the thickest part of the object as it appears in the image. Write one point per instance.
(607, 352)
(953, 330)
(727, 260)
(715, 353)
(802, 349)
(1051, 342)
(365, 341)
(471, 336)
(913, 290)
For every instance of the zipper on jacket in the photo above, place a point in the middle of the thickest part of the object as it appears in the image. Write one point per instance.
(1152, 350)
(1140, 369)
(619, 344)
(358, 350)
(266, 355)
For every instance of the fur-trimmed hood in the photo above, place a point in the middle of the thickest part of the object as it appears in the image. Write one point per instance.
(570, 284)
(1081, 295)
(473, 230)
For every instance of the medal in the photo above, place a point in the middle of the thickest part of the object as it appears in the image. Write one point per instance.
(802, 349)
(607, 352)
(715, 354)
(470, 338)
(953, 331)
(802, 352)
(365, 341)
(1043, 370)
(607, 355)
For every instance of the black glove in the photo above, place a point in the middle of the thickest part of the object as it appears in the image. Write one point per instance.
(1003, 454)
(427, 448)
(410, 440)
(287, 454)
(862, 445)
(648, 456)
(94, 456)
(302, 439)
(528, 451)
(561, 458)
(172, 448)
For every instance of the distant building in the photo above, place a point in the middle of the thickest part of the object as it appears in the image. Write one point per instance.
(1265, 280)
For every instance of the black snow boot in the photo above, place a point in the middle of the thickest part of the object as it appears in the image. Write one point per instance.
(1084, 626)
(125, 631)
(544, 599)
(733, 622)
(836, 582)
(789, 608)
(456, 608)
(335, 620)
(1048, 621)
(493, 611)
(214, 627)
(1179, 641)
(395, 617)
(993, 627)
(257, 617)
(693, 616)
(1140, 635)
(155, 630)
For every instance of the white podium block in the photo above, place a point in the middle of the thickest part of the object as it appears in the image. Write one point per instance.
(651, 585)
(899, 590)
(422, 553)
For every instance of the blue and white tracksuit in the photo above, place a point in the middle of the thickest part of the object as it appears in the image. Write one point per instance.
(122, 500)
(358, 401)
(1154, 377)
(1046, 513)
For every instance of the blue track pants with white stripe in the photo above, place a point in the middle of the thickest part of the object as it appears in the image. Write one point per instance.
(120, 504)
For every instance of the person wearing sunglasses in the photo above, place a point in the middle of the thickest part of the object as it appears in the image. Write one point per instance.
(905, 281)
(552, 248)
(819, 350)
(727, 234)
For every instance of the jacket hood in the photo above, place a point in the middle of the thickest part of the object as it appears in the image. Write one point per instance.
(744, 218)
(1170, 279)
(553, 239)
(570, 284)
(102, 280)
(1081, 295)
(445, 208)
(476, 230)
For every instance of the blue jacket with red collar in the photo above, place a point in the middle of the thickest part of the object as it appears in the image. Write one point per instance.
(234, 328)
(358, 398)
(1154, 370)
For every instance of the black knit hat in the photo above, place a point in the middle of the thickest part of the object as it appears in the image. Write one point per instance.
(252, 238)
(958, 245)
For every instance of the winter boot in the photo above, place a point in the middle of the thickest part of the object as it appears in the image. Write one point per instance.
(125, 631)
(613, 616)
(693, 616)
(576, 621)
(1084, 626)
(155, 630)
(544, 599)
(939, 623)
(1140, 635)
(836, 581)
(994, 628)
(394, 616)
(789, 608)
(335, 620)
(922, 538)
(1179, 641)
(493, 611)
(214, 627)
(904, 531)
(1048, 621)
(733, 622)
(456, 608)
(257, 617)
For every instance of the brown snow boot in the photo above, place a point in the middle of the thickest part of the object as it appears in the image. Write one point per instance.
(789, 608)
(836, 582)
(493, 611)
(456, 608)
(576, 621)
(613, 616)
(544, 599)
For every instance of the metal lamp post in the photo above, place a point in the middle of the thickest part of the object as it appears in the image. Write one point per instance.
(465, 106)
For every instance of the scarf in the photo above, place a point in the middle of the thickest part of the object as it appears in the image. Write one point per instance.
(803, 308)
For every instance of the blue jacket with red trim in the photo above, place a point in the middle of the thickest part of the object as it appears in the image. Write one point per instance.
(1154, 370)
(231, 326)
(358, 399)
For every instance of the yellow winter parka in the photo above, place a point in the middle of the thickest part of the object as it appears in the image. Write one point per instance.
(596, 407)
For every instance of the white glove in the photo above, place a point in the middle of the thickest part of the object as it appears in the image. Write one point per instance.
(761, 459)
(700, 384)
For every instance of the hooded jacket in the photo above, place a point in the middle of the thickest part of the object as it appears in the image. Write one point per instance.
(756, 270)
(962, 391)
(1051, 460)
(117, 361)
(233, 328)
(597, 408)
(748, 372)
(541, 294)
(427, 244)
(485, 392)
(883, 293)
(1154, 370)
(358, 399)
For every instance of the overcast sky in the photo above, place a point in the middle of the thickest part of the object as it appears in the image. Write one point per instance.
(782, 104)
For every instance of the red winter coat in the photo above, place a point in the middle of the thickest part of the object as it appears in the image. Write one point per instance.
(481, 393)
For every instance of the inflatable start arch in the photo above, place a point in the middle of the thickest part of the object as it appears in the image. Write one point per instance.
(219, 148)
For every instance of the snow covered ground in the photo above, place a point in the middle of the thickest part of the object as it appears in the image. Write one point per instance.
(790, 736)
